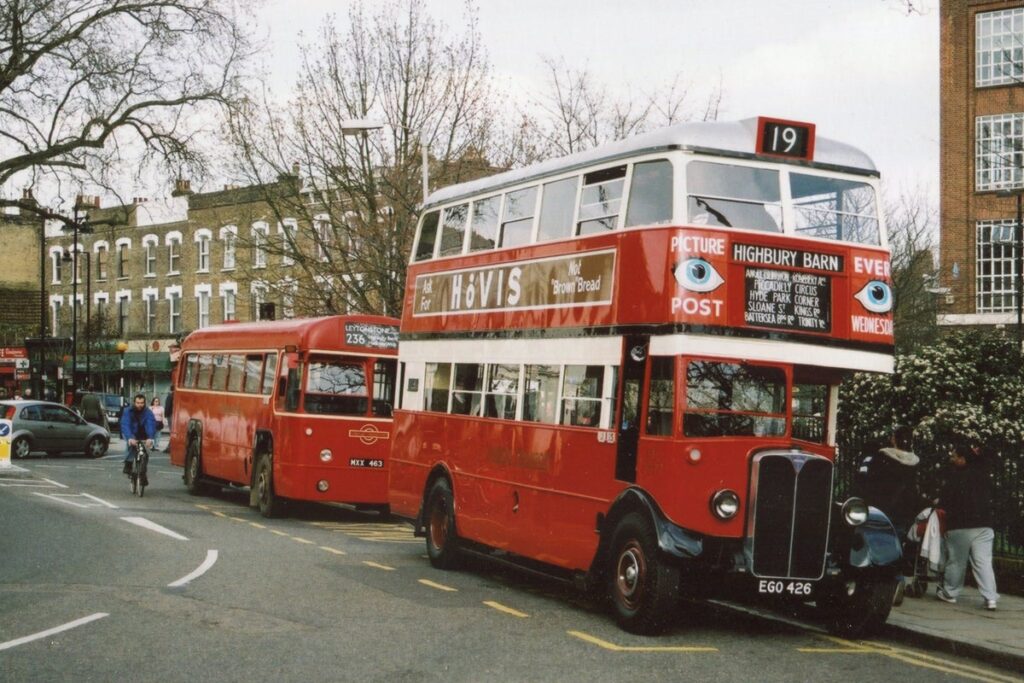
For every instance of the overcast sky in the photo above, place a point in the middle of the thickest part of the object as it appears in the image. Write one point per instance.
(862, 70)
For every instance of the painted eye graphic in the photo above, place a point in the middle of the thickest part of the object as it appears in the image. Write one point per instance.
(876, 296)
(697, 275)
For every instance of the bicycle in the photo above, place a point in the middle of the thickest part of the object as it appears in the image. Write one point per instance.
(139, 467)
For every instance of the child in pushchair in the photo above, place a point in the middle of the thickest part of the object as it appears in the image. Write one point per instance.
(922, 551)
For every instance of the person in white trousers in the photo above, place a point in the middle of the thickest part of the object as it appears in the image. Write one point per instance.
(967, 500)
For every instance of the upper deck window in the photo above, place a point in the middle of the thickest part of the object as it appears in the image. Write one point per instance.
(484, 226)
(834, 208)
(601, 200)
(650, 193)
(517, 224)
(453, 229)
(557, 208)
(428, 234)
(733, 196)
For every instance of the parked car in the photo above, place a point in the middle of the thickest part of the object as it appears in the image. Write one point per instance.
(53, 428)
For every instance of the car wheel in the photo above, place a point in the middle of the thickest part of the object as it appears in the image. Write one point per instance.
(21, 448)
(267, 502)
(96, 447)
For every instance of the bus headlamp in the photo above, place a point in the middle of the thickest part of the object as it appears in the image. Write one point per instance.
(855, 511)
(326, 455)
(725, 504)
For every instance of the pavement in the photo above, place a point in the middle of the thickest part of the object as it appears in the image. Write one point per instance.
(966, 628)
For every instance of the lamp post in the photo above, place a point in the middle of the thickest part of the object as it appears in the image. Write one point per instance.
(121, 348)
(356, 126)
(1018, 261)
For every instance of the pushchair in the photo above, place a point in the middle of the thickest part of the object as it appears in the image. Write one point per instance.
(922, 551)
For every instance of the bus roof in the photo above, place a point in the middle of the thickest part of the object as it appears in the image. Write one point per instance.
(723, 138)
(326, 333)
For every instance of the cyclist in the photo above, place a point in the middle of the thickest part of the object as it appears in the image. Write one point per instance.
(137, 424)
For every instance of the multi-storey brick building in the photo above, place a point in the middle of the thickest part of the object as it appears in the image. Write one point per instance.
(153, 270)
(982, 158)
(20, 296)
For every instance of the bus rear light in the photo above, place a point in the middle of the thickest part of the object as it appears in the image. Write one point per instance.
(695, 455)
(322, 485)
(725, 504)
(326, 455)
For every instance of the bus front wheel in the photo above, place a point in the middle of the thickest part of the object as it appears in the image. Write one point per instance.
(267, 502)
(442, 541)
(858, 608)
(643, 587)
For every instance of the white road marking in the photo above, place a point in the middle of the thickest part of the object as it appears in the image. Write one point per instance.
(100, 500)
(26, 484)
(52, 631)
(62, 498)
(211, 558)
(153, 526)
(55, 483)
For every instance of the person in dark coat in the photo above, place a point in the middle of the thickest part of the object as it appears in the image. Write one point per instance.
(887, 480)
(92, 410)
(967, 500)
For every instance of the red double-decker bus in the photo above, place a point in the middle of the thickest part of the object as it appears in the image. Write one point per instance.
(623, 366)
(296, 409)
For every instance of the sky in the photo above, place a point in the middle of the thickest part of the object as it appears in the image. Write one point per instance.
(864, 71)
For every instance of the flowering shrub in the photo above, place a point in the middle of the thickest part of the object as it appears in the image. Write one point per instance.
(968, 386)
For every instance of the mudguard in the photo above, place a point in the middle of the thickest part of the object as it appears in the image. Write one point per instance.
(875, 543)
(673, 540)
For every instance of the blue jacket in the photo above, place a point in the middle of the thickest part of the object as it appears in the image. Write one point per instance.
(131, 425)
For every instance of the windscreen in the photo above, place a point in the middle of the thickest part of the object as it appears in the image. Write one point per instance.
(336, 386)
(730, 399)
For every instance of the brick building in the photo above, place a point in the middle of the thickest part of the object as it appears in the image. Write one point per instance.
(982, 159)
(153, 270)
(20, 296)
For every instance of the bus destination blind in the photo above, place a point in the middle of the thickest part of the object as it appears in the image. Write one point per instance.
(788, 300)
(371, 336)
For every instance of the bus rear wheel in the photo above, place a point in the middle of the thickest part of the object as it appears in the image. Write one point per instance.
(642, 586)
(442, 541)
(193, 469)
(267, 502)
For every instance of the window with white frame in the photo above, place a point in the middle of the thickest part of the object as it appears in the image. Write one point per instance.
(999, 47)
(259, 246)
(122, 314)
(174, 310)
(150, 298)
(288, 292)
(228, 237)
(122, 259)
(289, 247)
(57, 261)
(173, 254)
(229, 304)
(100, 313)
(996, 271)
(101, 263)
(150, 251)
(55, 306)
(999, 151)
(202, 308)
(258, 298)
(77, 263)
(324, 237)
(203, 254)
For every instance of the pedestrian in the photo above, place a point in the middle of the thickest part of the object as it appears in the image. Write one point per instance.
(92, 410)
(28, 394)
(137, 424)
(17, 395)
(887, 480)
(169, 416)
(967, 499)
(158, 415)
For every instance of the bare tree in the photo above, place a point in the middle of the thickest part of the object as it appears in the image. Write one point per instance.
(93, 89)
(354, 198)
(912, 226)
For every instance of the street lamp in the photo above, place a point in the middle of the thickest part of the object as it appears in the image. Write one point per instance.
(76, 226)
(1018, 261)
(356, 126)
(69, 258)
(121, 348)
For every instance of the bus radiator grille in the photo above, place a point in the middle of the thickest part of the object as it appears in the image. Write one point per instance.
(790, 515)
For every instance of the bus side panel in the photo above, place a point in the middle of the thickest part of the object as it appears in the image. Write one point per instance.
(357, 471)
(412, 455)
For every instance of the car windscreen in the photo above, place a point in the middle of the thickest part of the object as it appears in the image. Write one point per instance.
(112, 401)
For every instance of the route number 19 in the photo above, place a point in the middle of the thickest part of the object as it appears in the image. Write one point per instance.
(786, 138)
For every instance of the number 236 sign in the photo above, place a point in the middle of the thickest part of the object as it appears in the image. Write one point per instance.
(781, 138)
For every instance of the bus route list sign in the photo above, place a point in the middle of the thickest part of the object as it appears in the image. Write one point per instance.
(371, 336)
(788, 300)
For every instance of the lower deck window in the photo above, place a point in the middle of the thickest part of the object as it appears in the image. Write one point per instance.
(581, 395)
(728, 399)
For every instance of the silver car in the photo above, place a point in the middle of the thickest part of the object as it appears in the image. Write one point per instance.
(50, 427)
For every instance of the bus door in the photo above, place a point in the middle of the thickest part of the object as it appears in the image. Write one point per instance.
(634, 361)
